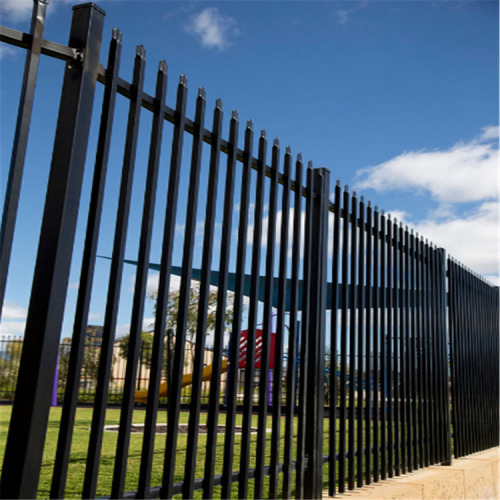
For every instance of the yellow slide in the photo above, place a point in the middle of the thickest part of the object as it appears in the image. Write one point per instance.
(142, 396)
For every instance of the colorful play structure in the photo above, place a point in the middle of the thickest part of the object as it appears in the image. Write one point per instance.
(187, 379)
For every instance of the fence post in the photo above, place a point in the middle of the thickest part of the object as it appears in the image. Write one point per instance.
(313, 477)
(28, 425)
(445, 335)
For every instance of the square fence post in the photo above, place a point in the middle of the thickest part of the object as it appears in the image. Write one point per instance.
(30, 412)
(313, 477)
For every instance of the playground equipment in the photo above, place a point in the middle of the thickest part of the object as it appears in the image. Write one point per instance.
(142, 396)
(187, 379)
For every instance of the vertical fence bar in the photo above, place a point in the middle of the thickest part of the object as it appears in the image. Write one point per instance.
(343, 342)
(453, 312)
(100, 402)
(87, 272)
(471, 354)
(359, 365)
(213, 413)
(266, 328)
(389, 360)
(428, 426)
(26, 437)
(405, 342)
(420, 348)
(434, 439)
(396, 353)
(163, 289)
(278, 351)
(252, 319)
(352, 340)
(14, 180)
(369, 375)
(175, 384)
(439, 417)
(201, 324)
(237, 317)
(135, 334)
(378, 346)
(412, 294)
(446, 458)
(292, 366)
(313, 479)
(334, 327)
(305, 318)
(383, 380)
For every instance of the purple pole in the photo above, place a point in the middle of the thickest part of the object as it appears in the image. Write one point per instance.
(54, 388)
(270, 388)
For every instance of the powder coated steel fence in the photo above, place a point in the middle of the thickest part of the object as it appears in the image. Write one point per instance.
(373, 324)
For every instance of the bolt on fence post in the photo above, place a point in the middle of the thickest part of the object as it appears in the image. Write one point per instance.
(313, 478)
(28, 425)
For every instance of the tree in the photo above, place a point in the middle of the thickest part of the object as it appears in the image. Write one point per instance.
(146, 348)
(9, 366)
(192, 319)
(90, 362)
(171, 327)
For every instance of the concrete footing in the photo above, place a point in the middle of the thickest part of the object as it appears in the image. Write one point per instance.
(473, 477)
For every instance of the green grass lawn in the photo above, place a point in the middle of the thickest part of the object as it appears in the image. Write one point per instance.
(80, 444)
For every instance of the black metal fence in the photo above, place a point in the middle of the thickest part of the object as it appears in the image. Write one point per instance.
(354, 385)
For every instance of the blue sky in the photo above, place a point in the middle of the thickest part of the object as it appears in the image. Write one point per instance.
(399, 100)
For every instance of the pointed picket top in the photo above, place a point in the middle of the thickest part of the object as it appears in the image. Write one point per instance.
(288, 150)
(310, 164)
(218, 104)
(276, 142)
(116, 35)
(234, 115)
(183, 80)
(370, 203)
(162, 66)
(362, 199)
(140, 51)
(338, 182)
(263, 133)
(202, 93)
(346, 188)
(354, 194)
(250, 124)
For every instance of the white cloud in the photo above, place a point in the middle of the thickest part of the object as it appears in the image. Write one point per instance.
(16, 10)
(20, 10)
(342, 16)
(467, 172)
(94, 316)
(472, 239)
(212, 28)
(464, 173)
(13, 311)
(12, 327)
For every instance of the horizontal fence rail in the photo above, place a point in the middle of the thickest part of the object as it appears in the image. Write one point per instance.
(302, 339)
